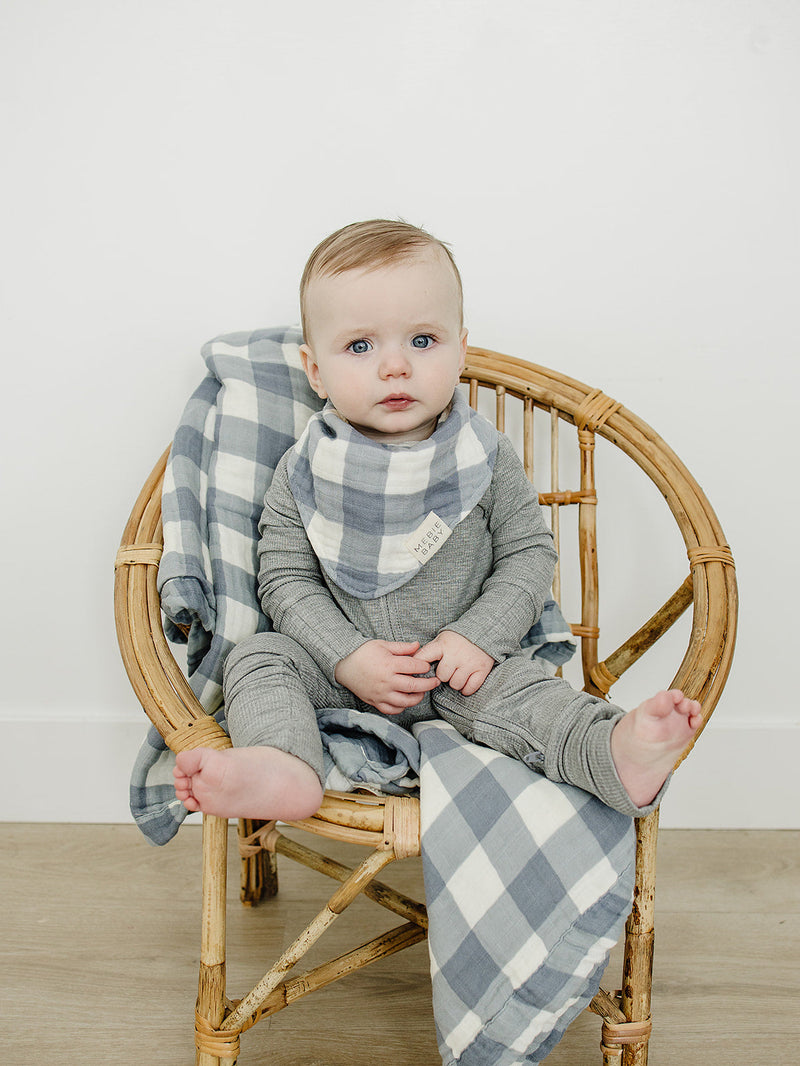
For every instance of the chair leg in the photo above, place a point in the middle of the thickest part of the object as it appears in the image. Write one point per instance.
(612, 1054)
(211, 1050)
(637, 975)
(259, 871)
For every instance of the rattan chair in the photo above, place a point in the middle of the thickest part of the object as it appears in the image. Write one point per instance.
(515, 391)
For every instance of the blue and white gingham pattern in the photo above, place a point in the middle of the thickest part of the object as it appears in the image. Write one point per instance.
(361, 501)
(528, 884)
(253, 404)
(250, 409)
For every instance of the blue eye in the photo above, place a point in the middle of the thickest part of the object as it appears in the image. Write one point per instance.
(359, 347)
(422, 340)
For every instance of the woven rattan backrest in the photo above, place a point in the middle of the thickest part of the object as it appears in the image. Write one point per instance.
(519, 396)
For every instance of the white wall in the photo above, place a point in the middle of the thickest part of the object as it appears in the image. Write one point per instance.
(618, 181)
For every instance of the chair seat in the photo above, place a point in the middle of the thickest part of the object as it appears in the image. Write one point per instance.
(365, 818)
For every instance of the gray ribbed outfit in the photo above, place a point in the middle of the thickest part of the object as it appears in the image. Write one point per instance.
(488, 582)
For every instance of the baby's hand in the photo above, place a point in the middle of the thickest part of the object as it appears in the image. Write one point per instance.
(462, 665)
(381, 672)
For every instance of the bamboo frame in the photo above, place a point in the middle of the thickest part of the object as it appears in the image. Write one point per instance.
(388, 827)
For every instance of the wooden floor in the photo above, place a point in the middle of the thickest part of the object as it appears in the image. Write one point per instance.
(99, 957)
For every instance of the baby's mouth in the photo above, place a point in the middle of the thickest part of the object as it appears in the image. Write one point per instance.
(398, 402)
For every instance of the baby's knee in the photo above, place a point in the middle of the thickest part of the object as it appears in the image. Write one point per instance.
(258, 645)
(262, 653)
(308, 793)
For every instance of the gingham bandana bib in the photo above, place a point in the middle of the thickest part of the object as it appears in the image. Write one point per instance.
(376, 513)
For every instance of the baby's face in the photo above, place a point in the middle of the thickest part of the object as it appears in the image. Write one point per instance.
(386, 346)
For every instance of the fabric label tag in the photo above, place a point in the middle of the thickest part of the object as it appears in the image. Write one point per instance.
(428, 538)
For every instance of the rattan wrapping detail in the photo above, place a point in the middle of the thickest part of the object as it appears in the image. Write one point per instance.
(595, 411)
(586, 440)
(263, 839)
(603, 678)
(211, 1041)
(401, 826)
(581, 496)
(626, 1032)
(718, 553)
(140, 554)
(201, 733)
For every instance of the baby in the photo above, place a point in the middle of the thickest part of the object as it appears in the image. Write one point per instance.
(403, 557)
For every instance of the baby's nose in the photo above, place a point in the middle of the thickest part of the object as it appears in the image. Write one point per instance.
(395, 364)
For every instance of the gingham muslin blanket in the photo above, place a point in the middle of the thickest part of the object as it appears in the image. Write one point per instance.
(250, 408)
(527, 882)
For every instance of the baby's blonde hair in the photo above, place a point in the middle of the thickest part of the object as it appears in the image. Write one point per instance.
(368, 245)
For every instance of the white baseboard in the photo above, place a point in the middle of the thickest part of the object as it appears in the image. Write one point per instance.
(57, 769)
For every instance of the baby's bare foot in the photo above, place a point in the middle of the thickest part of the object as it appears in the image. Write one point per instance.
(246, 783)
(646, 743)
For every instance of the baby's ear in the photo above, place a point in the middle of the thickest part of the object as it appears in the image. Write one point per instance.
(312, 371)
(464, 337)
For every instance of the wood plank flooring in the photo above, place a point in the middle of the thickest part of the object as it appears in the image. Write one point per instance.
(100, 930)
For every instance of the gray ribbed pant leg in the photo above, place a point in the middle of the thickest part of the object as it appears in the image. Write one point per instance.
(522, 711)
(272, 688)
